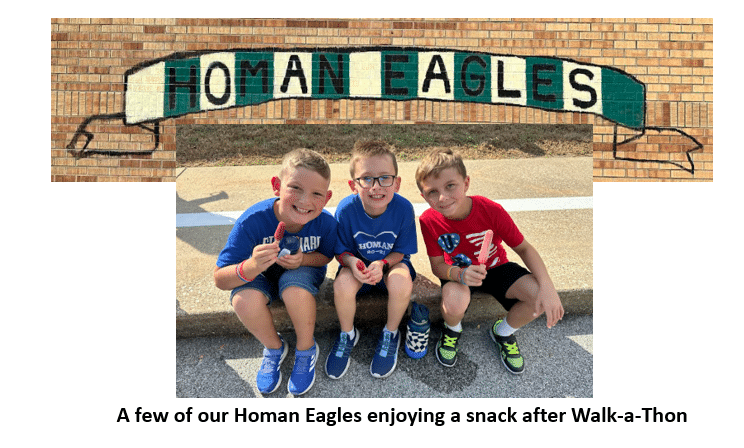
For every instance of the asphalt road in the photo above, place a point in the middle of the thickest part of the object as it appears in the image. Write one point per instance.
(559, 363)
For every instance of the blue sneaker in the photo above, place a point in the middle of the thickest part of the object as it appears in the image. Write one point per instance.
(386, 355)
(417, 331)
(303, 373)
(338, 359)
(269, 376)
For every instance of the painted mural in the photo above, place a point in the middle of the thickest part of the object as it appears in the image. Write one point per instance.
(188, 83)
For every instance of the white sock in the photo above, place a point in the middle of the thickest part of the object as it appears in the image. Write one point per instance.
(457, 328)
(352, 333)
(394, 332)
(505, 329)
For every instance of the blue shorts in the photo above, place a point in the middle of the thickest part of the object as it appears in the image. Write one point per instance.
(273, 281)
(381, 285)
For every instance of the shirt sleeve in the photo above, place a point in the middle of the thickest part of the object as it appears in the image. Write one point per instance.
(506, 228)
(430, 241)
(344, 240)
(239, 246)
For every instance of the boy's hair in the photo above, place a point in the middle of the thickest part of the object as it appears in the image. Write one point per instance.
(305, 158)
(365, 149)
(438, 160)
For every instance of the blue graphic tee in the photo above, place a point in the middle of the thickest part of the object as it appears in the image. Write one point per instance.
(257, 225)
(371, 239)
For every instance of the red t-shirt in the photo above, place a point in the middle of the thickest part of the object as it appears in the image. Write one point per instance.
(450, 238)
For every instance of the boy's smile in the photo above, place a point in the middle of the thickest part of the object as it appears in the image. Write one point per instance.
(375, 198)
(447, 194)
(302, 195)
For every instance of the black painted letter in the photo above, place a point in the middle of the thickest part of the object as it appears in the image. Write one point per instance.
(583, 88)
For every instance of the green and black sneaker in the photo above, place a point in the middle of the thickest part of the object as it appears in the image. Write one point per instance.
(447, 347)
(507, 346)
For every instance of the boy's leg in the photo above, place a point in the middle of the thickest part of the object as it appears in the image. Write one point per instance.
(345, 288)
(525, 290)
(251, 306)
(301, 308)
(400, 287)
(455, 301)
(300, 305)
(252, 309)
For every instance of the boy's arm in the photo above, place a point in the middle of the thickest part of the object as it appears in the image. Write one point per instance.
(264, 255)
(547, 297)
(439, 267)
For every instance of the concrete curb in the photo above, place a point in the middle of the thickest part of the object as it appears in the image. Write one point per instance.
(371, 311)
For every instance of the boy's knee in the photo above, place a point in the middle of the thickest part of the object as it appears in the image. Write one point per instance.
(296, 293)
(345, 281)
(247, 300)
(525, 289)
(399, 281)
(455, 295)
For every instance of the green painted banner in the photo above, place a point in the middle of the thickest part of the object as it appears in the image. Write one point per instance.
(189, 83)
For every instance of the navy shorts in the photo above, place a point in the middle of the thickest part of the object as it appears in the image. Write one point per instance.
(498, 280)
(274, 280)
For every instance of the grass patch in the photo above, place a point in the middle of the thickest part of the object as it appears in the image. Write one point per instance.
(222, 145)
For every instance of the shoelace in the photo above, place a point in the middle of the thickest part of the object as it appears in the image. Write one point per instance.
(344, 346)
(269, 364)
(384, 346)
(449, 341)
(512, 348)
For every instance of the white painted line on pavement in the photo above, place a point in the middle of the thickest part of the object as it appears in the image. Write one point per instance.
(586, 341)
(511, 205)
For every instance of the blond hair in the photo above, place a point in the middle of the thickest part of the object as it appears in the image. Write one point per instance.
(372, 148)
(305, 158)
(438, 160)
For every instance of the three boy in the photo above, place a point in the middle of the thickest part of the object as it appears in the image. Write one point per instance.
(373, 241)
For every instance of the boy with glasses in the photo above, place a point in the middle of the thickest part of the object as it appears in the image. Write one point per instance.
(376, 237)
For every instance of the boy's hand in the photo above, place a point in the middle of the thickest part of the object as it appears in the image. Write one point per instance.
(549, 302)
(291, 261)
(264, 255)
(375, 271)
(474, 275)
(359, 270)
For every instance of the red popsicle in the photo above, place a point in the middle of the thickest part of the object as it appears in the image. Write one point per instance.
(279, 234)
(487, 238)
(360, 265)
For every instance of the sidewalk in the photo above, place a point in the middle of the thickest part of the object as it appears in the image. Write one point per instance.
(208, 200)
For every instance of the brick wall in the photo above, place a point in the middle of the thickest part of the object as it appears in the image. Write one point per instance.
(672, 59)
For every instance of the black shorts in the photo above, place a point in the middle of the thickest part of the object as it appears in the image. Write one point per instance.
(498, 280)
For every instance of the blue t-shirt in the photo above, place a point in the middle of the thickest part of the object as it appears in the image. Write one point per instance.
(371, 239)
(258, 224)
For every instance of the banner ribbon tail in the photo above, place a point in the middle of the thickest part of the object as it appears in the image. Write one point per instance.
(89, 136)
(696, 145)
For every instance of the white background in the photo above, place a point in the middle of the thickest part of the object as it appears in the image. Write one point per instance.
(89, 322)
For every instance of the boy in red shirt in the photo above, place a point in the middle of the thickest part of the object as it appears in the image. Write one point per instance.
(454, 229)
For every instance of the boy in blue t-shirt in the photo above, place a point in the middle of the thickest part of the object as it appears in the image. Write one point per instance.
(376, 237)
(253, 268)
